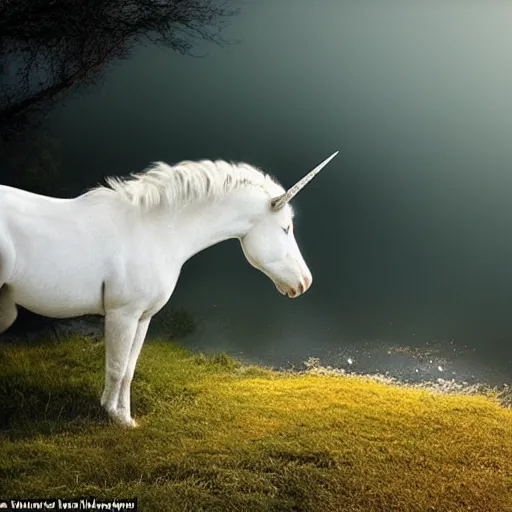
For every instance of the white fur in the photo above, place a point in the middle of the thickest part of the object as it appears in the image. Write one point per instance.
(117, 251)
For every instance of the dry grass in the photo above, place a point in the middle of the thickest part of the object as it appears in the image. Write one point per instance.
(218, 436)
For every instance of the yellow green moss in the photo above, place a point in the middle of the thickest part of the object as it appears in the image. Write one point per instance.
(217, 435)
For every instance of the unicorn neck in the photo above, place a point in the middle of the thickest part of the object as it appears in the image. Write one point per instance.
(202, 225)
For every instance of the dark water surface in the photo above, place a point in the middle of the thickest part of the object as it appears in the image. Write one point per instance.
(407, 232)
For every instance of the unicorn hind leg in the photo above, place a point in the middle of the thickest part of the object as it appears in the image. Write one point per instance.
(8, 309)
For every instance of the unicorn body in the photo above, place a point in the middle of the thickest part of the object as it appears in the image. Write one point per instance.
(117, 251)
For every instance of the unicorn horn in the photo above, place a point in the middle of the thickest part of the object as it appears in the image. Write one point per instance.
(279, 201)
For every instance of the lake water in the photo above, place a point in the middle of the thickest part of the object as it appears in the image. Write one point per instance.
(407, 231)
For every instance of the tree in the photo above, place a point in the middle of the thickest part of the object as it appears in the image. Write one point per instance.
(50, 48)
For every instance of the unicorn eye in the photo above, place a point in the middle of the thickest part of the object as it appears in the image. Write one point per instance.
(286, 230)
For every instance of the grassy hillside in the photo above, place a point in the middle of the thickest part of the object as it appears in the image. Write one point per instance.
(218, 436)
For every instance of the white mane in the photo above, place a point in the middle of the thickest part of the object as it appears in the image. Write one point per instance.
(187, 181)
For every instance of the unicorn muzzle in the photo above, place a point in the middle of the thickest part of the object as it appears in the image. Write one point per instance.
(294, 292)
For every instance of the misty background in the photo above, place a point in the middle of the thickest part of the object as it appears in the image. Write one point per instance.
(406, 232)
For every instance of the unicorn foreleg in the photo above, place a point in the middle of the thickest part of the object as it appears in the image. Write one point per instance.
(120, 330)
(123, 408)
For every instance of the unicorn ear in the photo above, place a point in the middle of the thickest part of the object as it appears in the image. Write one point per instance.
(278, 202)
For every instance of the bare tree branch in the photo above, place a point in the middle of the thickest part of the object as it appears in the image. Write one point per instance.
(49, 48)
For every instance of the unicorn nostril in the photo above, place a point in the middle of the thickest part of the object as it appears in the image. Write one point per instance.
(307, 281)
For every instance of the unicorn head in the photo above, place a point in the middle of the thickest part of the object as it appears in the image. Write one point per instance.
(270, 244)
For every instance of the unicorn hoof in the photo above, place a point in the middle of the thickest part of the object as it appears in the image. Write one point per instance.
(125, 421)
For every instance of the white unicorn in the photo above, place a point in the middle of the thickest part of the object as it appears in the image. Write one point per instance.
(117, 250)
